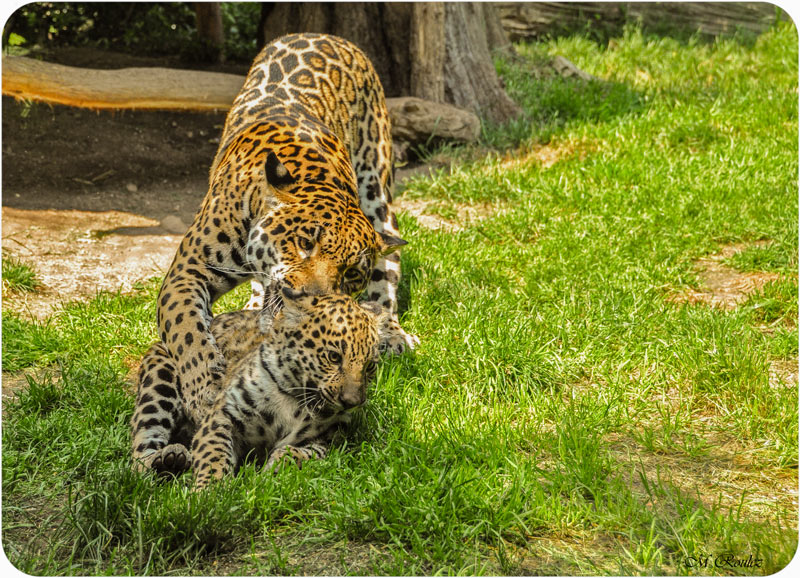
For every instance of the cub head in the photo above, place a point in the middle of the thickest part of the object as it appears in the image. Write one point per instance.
(327, 348)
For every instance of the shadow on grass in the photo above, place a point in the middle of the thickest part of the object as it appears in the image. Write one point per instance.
(550, 102)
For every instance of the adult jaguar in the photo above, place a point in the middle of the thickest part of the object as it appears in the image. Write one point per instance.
(299, 194)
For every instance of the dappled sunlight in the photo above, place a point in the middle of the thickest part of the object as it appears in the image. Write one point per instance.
(75, 254)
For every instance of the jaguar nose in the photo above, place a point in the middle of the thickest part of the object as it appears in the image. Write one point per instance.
(350, 398)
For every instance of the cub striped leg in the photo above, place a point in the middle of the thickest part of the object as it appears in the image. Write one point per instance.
(159, 421)
(214, 446)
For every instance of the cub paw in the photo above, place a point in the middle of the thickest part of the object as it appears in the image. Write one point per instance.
(393, 338)
(277, 458)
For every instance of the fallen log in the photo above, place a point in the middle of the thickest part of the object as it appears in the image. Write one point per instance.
(125, 88)
(537, 20)
(414, 120)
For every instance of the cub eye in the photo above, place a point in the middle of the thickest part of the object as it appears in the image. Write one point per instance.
(305, 244)
(335, 357)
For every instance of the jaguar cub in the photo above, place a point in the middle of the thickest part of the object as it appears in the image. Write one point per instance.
(291, 379)
(290, 394)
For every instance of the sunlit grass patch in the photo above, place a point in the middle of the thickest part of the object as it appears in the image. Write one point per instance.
(18, 276)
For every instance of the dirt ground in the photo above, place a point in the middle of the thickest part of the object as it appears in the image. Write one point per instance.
(99, 200)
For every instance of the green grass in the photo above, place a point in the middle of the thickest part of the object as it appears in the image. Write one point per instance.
(562, 415)
(17, 276)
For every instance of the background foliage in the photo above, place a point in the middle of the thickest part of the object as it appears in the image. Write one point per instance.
(143, 28)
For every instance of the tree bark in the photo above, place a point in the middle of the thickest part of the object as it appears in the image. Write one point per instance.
(209, 29)
(471, 81)
(427, 46)
(436, 51)
(496, 36)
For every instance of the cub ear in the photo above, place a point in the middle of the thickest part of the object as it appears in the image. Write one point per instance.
(372, 307)
(390, 244)
(277, 174)
(297, 302)
(375, 310)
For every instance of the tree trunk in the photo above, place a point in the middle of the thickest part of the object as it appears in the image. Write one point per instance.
(427, 45)
(209, 29)
(471, 81)
(435, 51)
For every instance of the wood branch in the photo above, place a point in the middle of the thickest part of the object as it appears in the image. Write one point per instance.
(708, 18)
(532, 20)
(126, 88)
(414, 120)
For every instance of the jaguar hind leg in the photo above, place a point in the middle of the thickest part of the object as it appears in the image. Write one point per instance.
(171, 459)
(159, 424)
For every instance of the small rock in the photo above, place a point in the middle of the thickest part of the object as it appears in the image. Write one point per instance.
(132, 188)
(173, 224)
(189, 134)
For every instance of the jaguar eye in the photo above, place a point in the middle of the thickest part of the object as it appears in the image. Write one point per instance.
(305, 244)
(335, 357)
(352, 274)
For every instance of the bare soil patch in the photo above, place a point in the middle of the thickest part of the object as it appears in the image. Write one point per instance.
(721, 476)
(425, 212)
(547, 155)
(783, 373)
(723, 286)
(76, 254)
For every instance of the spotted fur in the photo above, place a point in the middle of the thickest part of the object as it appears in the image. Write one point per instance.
(286, 391)
(291, 393)
(298, 196)
(161, 426)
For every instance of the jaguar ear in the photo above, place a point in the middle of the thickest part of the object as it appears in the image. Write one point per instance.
(390, 244)
(277, 174)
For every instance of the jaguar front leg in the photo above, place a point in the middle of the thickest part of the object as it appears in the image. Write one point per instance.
(382, 286)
